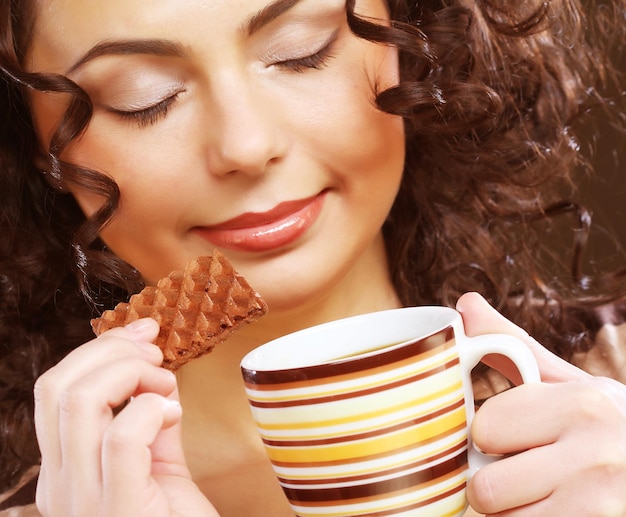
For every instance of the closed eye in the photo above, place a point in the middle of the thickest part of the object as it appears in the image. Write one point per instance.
(316, 60)
(150, 115)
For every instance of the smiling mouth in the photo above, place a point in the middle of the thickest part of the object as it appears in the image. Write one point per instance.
(265, 231)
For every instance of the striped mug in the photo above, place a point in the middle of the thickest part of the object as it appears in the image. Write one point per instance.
(370, 415)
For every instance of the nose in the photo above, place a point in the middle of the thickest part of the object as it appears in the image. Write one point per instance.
(246, 134)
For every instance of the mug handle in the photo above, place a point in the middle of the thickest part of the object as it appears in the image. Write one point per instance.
(471, 351)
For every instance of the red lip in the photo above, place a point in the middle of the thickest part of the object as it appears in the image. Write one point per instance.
(256, 231)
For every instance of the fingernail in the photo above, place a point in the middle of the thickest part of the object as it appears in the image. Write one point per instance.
(172, 409)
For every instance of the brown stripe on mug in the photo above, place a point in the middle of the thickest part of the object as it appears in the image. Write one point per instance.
(441, 436)
(380, 489)
(420, 504)
(354, 437)
(461, 446)
(254, 379)
(407, 508)
(414, 506)
(355, 394)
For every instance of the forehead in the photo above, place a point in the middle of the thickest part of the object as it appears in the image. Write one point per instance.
(65, 29)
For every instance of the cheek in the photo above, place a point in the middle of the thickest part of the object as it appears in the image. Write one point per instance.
(145, 172)
(151, 201)
(364, 70)
(352, 127)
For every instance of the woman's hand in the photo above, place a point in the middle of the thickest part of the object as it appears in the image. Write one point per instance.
(97, 462)
(570, 429)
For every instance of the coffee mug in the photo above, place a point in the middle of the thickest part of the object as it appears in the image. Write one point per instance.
(370, 415)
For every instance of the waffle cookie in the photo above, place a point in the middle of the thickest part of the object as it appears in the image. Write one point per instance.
(196, 308)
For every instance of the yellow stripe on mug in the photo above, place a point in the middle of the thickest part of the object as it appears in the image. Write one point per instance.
(290, 421)
(370, 415)
(368, 447)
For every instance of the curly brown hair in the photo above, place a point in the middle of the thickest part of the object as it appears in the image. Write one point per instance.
(491, 93)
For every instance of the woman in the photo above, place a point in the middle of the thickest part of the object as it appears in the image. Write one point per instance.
(345, 164)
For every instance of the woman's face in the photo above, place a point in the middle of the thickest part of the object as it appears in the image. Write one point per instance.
(247, 126)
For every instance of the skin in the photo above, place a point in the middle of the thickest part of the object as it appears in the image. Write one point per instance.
(248, 128)
(229, 145)
(232, 142)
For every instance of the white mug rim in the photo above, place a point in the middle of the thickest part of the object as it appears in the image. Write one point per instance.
(270, 356)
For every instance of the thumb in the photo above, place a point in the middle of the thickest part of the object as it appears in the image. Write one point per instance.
(481, 318)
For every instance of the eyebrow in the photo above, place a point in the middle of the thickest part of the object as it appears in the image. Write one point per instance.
(166, 48)
(153, 47)
(268, 14)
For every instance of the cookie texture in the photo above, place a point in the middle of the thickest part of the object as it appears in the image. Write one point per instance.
(196, 308)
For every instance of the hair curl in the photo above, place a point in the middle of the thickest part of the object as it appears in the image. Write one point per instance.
(490, 92)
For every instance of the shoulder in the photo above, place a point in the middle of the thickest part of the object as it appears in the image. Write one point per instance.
(19, 500)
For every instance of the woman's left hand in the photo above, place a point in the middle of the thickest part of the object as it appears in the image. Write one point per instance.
(566, 436)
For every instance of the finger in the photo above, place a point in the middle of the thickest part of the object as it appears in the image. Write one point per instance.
(516, 481)
(126, 456)
(168, 457)
(114, 342)
(480, 318)
(43, 499)
(86, 410)
(552, 423)
(559, 504)
(524, 417)
(131, 341)
(546, 481)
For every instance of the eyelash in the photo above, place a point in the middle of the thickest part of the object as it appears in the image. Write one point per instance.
(151, 115)
(316, 61)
